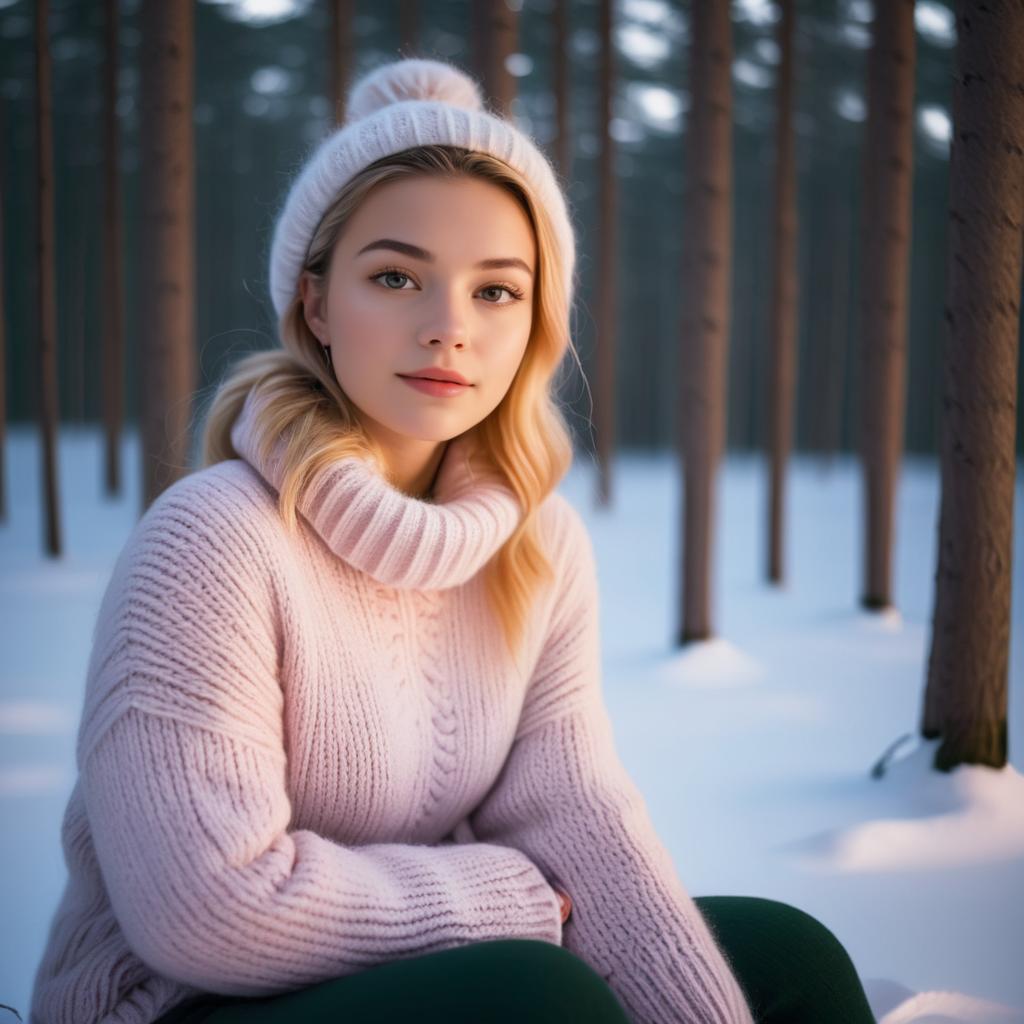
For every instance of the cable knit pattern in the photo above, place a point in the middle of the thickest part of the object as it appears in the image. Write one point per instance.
(297, 760)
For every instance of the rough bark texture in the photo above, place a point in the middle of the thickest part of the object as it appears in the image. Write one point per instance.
(885, 273)
(607, 297)
(48, 404)
(167, 273)
(706, 264)
(782, 376)
(966, 695)
(112, 361)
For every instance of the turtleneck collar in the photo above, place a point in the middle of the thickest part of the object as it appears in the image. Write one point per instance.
(399, 540)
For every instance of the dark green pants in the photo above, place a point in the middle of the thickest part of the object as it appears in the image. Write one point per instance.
(791, 967)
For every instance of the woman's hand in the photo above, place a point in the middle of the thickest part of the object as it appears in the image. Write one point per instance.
(566, 902)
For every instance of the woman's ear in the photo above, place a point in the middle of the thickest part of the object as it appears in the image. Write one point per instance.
(313, 302)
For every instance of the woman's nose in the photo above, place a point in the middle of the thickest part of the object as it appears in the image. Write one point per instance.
(446, 320)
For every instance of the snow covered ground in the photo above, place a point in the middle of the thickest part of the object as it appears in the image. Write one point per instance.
(753, 750)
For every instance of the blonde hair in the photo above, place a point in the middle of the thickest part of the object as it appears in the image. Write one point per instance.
(525, 440)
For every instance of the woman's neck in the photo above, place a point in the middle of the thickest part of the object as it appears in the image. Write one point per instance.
(410, 464)
(410, 473)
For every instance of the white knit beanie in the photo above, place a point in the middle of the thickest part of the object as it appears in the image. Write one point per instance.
(399, 105)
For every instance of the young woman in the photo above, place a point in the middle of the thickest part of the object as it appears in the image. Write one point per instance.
(344, 754)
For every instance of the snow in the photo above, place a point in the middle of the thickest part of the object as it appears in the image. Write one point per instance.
(754, 750)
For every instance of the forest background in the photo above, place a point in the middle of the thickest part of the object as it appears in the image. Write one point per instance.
(262, 81)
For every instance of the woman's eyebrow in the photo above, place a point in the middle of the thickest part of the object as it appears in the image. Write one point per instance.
(407, 249)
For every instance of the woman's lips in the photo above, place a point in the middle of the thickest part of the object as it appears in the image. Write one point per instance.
(438, 388)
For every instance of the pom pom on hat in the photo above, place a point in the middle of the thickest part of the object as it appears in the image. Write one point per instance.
(412, 79)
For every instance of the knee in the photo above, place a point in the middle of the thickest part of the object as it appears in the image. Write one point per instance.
(804, 927)
(813, 977)
(549, 983)
(790, 965)
(801, 931)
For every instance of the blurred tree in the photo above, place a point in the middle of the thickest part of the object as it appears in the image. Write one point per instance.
(408, 26)
(965, 701)
(46, 351)
(706, 272)
(258, 76)
(885, 254)
(3, 330)
(560, 86)
(607, 295)
(781, 378)
(340, 42)
(112, 362)
(72, 306)
(167, 226)
(495, 32)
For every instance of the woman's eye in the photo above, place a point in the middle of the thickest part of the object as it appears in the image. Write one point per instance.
(396, 281)
(514, 294)
(391, 274)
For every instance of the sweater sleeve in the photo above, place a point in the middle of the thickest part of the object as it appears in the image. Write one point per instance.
(183, 775)
(565, 799)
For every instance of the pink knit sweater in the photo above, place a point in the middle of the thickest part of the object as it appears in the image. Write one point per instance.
(303, 756)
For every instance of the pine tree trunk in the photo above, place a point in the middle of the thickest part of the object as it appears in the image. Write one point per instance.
(782, 379)
(48, 404)
(167, 273)
(706, 269)
(499, 31)
(112, 358)
(966, 695)
(563, 139)
(888, 183)
(3, 332)
(340, 56)
(76, 327)
(408, 25)
(607, 300)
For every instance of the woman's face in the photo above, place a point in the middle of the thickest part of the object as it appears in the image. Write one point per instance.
(428, 273)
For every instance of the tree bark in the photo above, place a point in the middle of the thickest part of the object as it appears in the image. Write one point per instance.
(3, 331)
(782, 378)
(112, 357)
(607, 298)
(46, 350)
(74, 306)
(888, 181)
(167, 273)
(498, 32)
(706, 268)
(563, 138)
(340, 41)
(408, 25)
(965, 701)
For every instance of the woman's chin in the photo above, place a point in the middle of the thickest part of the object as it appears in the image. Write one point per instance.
(434, 431)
